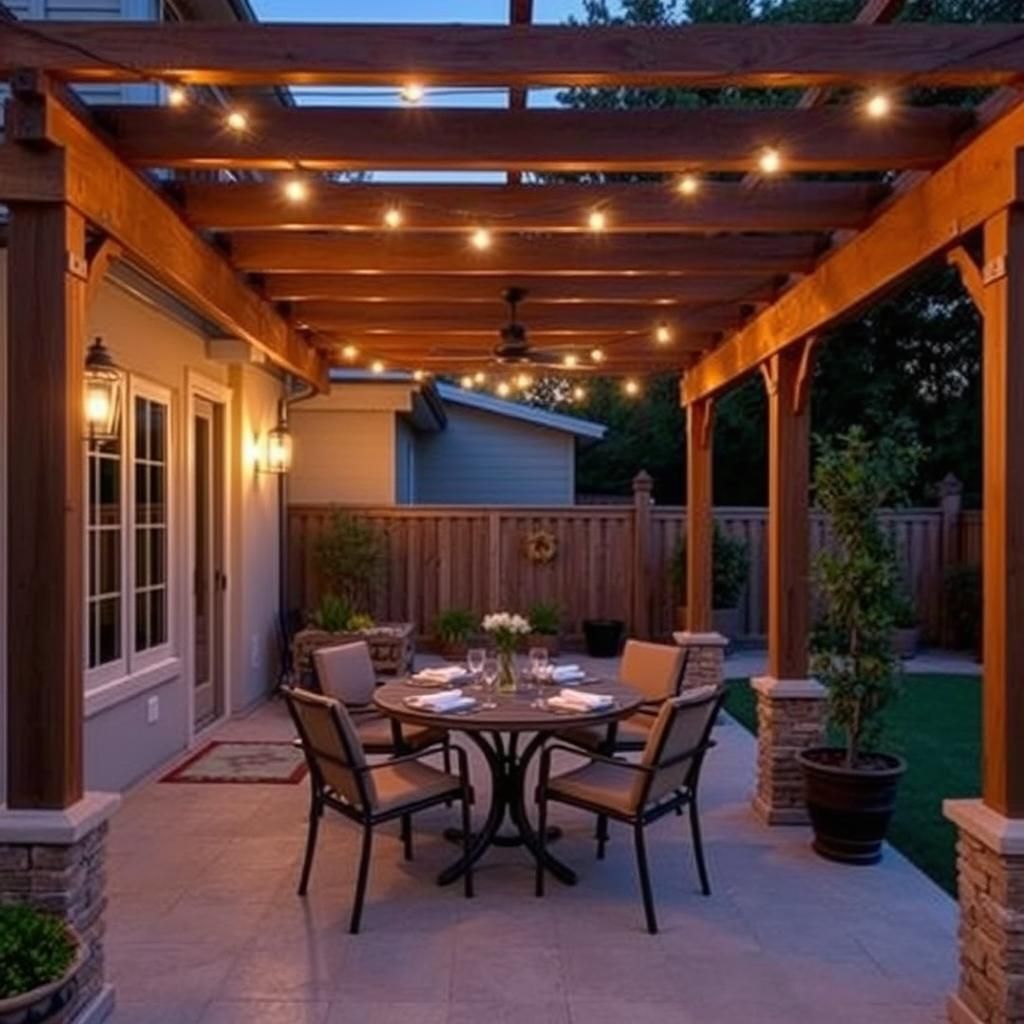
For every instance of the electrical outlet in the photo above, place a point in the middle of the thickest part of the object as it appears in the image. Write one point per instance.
(152, 710)
(254, 651)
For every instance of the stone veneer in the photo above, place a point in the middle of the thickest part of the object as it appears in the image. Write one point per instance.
(990, 871)
(707, 657)
(57, 861)
(790, 718)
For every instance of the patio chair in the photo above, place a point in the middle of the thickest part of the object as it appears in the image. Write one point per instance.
(341, 779)
(666, 779)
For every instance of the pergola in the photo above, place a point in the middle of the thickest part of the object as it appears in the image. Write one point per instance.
(743, 272)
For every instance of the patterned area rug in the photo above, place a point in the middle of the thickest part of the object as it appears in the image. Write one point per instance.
(237, 761)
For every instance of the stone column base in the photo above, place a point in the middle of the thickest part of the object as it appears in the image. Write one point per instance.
(707, 657)
(54, 860)
(790, 718)
(990, 875)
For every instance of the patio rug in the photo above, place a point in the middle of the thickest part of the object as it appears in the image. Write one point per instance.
(237, 761)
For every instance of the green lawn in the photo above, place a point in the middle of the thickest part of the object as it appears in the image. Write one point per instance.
(936, 726)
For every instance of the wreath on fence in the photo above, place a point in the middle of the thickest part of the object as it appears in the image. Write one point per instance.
(541, 546)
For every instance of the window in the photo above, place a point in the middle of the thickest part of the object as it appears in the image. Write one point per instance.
(127, 537)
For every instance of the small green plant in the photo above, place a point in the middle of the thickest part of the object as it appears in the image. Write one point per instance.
(454, 626)
(962, 585)
(359, 622)
(351, 552)
(35, 949)
(859, 578)
(333, 614)
(904, 611)
(730, 567)
(545, 618)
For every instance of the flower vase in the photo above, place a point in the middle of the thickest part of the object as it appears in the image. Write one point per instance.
(506, 671)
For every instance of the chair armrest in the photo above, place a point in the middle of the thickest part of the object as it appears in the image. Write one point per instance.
(618, 762)
(433, 748)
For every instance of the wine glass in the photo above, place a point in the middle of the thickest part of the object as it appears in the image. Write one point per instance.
(490, 677)
(538, 665)
(475, 658)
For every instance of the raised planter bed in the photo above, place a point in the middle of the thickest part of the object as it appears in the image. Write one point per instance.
(392, 647)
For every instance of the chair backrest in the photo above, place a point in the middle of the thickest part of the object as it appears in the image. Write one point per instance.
(346, 672)
(676, 745)
(331, 744)
(656, 670)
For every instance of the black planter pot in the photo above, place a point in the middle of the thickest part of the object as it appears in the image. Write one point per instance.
(603, 637)
(850, 809)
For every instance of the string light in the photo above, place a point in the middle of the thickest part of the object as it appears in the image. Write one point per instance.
(688, 185)
(479, 377)
(570, 361)
(419, 376)
(878, 106)
(579, 393)
(597, 221)
(467, 382)
(663, 334)
(349, 353)
(481, 239)
(237, 121)
(376, 366)
(503, 389)
(770, 160)
(393, 217)
(631, 387)
(413, 92)
(523, 381)
(177, 96)
(596, 355)
(296, 190)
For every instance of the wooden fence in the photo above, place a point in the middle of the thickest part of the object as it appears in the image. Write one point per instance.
(611, 561)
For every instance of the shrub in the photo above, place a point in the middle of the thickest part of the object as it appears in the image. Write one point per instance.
(730, 567)
(351, 553)
(332, 614)
(455, 625)
(35, 949)
(545, 618)
(904, 611)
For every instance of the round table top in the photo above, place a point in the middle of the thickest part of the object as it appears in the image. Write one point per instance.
(515, 712)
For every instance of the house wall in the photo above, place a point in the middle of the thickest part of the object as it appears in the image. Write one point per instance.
(405, 463)
(481, 458)
(156, 347)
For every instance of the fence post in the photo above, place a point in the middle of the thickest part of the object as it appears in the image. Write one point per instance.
(642, 484)
(950, 499)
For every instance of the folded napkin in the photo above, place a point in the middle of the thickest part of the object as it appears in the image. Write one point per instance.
(447, 700)
(566, 674)
(440, 674)
(574, 700)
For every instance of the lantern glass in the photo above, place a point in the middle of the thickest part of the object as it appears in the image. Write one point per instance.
(279, 449)
(103, 389)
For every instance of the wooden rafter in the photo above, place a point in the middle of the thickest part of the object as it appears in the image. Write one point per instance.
(920, 224)
(825, 139)
(296, 252)
(719, 206)
(520, 55)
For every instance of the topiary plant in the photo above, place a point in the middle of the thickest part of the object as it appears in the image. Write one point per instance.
(35, 949)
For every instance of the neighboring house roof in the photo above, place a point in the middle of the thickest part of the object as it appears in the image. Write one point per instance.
(587, 430)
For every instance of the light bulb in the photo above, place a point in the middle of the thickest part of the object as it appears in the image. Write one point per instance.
(770, 161)
(631, 387)
(418, 376)
(569, 361)
(296, 190)
(177, 96)
(349, 352)
(597, 221)
(467, 382)
(878, 106)
(663, 334)
(412, 92)
(97, 405)
(688, 185)
(596, 355)
(393, 217)
(237, 121)
(481, 239)
(523, 381)
(503, 389)
(479, 377)
(579, 393)
(376, 366)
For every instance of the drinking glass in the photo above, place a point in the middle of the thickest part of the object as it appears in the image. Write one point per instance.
(490, 677)
(538, 666)
(475, 658)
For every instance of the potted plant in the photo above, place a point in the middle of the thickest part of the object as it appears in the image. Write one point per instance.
(452, 631)
(851, 789)
(40, 957)
(730, 567)
(545, 619)
(906, 626)
(506, 630)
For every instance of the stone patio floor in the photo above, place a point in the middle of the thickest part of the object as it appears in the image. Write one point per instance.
(205, 926)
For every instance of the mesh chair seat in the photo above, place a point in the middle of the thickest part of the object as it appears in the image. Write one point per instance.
(603, 785)
(400, 785)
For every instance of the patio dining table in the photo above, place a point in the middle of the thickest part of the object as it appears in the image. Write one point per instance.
(509, 736)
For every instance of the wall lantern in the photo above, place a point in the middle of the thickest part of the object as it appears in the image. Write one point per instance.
(103, 388)
(279, 446)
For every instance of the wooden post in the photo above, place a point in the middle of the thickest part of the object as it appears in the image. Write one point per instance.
(788, 521)
(1003, 536)
(47, 274)
(642, 483)
(699, 516)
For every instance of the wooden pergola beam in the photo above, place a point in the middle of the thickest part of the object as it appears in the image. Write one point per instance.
(519, 55)
(918, 225)
(638, 346)
(296, 252)
(719, 206)
(727, 138)
(543, 289)
(151, 232)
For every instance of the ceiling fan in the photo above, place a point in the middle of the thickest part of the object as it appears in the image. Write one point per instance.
(514, 348)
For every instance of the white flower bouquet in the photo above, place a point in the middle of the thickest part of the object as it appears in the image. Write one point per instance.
(506, 628)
